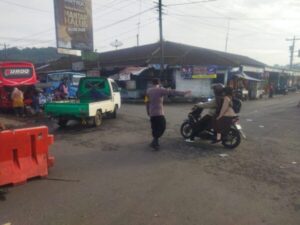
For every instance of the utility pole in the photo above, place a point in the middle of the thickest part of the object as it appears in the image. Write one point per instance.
(227, 35)
(292, 50)
(137, 40)
(138, 30)
(161, 39)
(5, 50)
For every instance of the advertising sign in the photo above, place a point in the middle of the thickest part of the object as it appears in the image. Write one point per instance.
(199, 72)
(74, 28)
(17, 73)
(77, 66)
(93, 73)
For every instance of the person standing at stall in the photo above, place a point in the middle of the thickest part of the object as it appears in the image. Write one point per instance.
(17, 97)
(271, 90)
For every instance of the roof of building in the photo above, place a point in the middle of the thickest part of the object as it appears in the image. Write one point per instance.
(174, 54)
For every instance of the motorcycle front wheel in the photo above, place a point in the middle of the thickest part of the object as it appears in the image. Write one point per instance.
(232, 139)
(186, 129)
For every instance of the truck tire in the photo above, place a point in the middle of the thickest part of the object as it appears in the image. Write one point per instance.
(62, 122)
(114, 113)
(98, 119)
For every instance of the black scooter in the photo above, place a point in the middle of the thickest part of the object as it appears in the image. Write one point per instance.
(231, 140)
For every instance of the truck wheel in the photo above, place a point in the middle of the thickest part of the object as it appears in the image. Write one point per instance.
(62, 122)
(98, 119)
(114, 113)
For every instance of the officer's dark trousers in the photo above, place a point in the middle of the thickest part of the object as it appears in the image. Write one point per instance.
(158, 126)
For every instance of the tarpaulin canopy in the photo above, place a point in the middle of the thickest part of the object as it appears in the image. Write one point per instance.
(130, 70)
(242, 75)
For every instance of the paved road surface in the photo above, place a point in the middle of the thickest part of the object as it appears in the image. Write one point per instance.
(110, 176)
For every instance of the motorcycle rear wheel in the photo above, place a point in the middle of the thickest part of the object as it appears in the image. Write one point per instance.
(232, 139)
(186, 130)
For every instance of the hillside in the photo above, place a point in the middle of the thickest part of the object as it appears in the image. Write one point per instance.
(35, 55)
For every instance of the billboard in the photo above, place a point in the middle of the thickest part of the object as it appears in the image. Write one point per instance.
(74, 28)
(199, 72)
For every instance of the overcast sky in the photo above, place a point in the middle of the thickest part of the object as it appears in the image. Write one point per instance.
(258, 28)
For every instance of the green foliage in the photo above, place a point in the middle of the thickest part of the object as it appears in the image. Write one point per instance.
(35, 55)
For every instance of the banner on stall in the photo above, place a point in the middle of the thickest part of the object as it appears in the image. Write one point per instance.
(199, 72)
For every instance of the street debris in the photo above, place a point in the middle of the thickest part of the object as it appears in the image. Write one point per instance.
(223, 155)
(249, 120)
(261, 126)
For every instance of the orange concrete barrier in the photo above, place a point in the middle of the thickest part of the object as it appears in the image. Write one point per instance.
(24, 154)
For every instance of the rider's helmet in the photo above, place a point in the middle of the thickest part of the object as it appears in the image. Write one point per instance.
(217, 88)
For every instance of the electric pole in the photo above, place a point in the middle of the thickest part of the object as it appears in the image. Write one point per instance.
(227, 35)
(138, 29)
(161, 39)
(292, 50)
(5, 50)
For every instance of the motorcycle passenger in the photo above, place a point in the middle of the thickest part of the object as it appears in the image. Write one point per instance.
(225, 117)
(212, 106)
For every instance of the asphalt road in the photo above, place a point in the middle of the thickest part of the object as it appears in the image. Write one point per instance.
(109, 175)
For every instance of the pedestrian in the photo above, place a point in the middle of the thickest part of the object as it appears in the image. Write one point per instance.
(34, 95)
(17, 97)
(271, 90)
(154, 104)
(2, 126)
(224, 119)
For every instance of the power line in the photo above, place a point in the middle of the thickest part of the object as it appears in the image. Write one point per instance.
(123, 20)
(24, 6)
(231, 18)
(35, 34)
(190, 3)
(126, 32)
(115, 10)
(108, 5)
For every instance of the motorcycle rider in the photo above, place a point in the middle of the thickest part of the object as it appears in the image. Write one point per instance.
(212, 107)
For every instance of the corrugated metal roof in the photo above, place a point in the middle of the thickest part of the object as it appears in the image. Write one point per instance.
(175, 54)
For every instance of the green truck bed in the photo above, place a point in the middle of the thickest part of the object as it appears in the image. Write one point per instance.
(67, 109)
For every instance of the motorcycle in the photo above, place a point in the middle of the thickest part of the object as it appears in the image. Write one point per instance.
(230, 141)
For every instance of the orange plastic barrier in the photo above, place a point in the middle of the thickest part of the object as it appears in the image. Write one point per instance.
(24, 154)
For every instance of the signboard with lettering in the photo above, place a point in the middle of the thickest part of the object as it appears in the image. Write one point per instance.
(199, 72)
(93, 73)
(17, 73)
(74, 28)
(77, 66)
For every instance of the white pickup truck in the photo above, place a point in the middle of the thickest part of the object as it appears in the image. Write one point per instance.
(97, 96)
